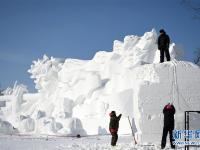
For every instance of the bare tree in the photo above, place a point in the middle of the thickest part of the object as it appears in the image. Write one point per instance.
(1, 90)
(197, 57)
(194, 5)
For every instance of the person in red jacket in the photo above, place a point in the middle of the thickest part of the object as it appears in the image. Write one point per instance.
(168, 112)
(113, 127)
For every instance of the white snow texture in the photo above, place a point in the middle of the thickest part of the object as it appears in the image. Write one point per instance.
(76, 96)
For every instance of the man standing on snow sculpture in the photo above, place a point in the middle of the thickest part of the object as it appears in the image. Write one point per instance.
(163, 45)
(168, 112)
(113, 127)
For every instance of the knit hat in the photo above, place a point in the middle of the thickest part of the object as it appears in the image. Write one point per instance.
(162, 31)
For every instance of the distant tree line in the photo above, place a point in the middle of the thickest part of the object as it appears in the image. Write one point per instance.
(194, 6)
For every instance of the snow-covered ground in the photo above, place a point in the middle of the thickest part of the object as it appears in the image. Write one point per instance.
(69, 143)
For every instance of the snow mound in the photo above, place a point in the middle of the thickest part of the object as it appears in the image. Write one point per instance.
(76, 96)
(6, 128)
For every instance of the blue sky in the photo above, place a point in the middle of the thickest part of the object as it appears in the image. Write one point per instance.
(79, 28)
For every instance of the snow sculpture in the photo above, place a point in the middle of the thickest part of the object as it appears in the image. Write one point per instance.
(76, 96)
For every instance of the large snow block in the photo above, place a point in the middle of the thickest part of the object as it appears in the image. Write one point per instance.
(178, 84)
(122, 102)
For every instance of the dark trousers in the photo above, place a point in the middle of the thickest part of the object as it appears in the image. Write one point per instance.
(164, 136)
(164, 52)
(114, 138)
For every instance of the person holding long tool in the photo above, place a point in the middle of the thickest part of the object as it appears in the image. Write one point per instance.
(113, 127)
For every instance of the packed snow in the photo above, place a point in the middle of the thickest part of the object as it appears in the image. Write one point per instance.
(76, 96)
(68, 143)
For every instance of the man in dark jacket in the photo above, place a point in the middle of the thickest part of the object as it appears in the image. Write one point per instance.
(113, 127)
(163, 45)
(168, 112)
